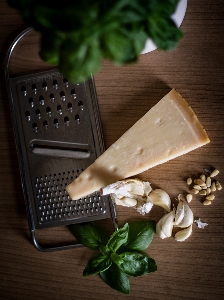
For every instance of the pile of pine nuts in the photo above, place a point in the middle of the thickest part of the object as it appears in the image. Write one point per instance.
(204, 186)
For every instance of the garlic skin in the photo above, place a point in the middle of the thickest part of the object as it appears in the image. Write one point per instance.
(200, 223)
(182, 235)
(165, 225)
(161, 198)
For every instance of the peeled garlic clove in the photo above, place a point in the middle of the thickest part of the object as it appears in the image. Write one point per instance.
(118, 201)
(182, 235)
(188, 217)
(161, 198)
(159, 232)
(179, 213)
(129, 201)
(135, 186)
(165, 225)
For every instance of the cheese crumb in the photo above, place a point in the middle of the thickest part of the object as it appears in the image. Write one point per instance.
(200, 223)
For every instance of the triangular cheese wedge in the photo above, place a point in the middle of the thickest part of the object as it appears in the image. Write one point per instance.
(167, 130)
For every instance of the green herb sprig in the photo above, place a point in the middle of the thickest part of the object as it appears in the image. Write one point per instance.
(77, 35)
(120, 255)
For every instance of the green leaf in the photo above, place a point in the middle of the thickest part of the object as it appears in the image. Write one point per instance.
(90, 235)
(96, 264)
(165, 7)
(164, 32)
(118, 238)
(140, 236)
(135, 263)
(116, 30)
(79, 60)
(50, 47)
(116, 279)
(117, 46)
(104, 249)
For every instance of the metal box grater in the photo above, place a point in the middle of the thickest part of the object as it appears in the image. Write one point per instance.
(58, 134)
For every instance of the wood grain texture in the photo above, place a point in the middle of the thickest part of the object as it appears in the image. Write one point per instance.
(190, 270)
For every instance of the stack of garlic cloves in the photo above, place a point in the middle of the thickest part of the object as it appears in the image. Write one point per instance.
(181, 217)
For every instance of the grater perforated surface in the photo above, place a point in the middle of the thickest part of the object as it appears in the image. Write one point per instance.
(58, 135)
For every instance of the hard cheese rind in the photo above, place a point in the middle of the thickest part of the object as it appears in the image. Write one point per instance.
(167, 130)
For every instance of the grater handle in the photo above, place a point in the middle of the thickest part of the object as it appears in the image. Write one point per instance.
(53, 248)
(10, 51)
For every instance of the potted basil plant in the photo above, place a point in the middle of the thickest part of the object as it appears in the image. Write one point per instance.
(77, 35)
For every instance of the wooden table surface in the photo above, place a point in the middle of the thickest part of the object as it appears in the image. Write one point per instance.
(193, 269)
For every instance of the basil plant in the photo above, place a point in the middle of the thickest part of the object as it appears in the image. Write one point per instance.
(77, 35)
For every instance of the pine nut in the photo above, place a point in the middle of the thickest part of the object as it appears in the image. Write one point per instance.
(202, 193)
(195, 191)
(204, 187)
(208, 181)
(200, 182)
(189, 181)
(189, 198)
(213, 187)
(208, 191)
(197, 187)
(210, 197)
(203, 177)
(214, 173)
(207, 202)
(218, 186)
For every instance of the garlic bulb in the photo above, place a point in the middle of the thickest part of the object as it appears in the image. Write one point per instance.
(130, 193)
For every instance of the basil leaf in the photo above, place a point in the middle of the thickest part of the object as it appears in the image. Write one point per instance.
(90, 235)
(118, 238)
(50, 47)
(140, 236)
(79, 61)
(117, 46)
(135, 263)
(104, 249)
(116, 279)
(164, 32)
(96, 264)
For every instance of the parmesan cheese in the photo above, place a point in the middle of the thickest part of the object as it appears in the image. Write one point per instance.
(166, 131)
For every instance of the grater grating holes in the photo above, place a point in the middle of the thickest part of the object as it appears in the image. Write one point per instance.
(77, 119)
(38, 114)
(27, 115)
(31, 103)
(55, 204)
(34, 88)
(23, 90)
(73, 93)
(41, 100)
(59, 110)
(65, 80)
(55, 84)
(80, 104)
(44, 86)
(62, 95)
